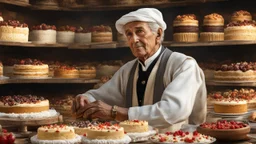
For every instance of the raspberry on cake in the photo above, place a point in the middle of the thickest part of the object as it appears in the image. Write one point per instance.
(66, 72)
(240, 30)
(13, 31)
(242, 71)
(87, 72)
(101, 34)
(43, 34)
(83, 35)
(81, 127)
(213, 28)
(30, 68)
(185, 28)
(241, 15)
(134, 126)
(23, 104)
(66, 34)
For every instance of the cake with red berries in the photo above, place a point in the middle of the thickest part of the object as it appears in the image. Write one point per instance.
(185, 28)
(83, 35)
(225, 130)
(230, 106)
(81, 127)
(87, 72)
(23, 104)
(30, 68)
(66, 72)
(102, 34)
(240, 30)
(134, 126)
(213, 28)
(182, 137)
(241, 15)
(43, 34)
(13, 31)
(66, 34)
(242, 71)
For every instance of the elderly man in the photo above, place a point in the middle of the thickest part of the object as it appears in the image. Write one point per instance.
(163, 87)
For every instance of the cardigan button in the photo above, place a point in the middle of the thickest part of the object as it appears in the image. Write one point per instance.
(143, 82)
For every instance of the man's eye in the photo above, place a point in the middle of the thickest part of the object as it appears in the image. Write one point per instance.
(140, 31)
(128, 34)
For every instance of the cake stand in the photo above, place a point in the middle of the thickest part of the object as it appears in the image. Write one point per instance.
(24, 123)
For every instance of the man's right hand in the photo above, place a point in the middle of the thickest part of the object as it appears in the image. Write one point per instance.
(79, 102)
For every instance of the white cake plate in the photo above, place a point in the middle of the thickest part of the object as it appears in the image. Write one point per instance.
(125, 140)
(76, 140)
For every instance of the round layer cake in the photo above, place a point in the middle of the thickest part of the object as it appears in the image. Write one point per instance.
(66, 72)
(55, 132)
(23, 104)
(43, 34)
(87, 72)
(240, 30)
(81, 127)
(185, 28)
(241, 15)
(228, 105)
(134, 126)
(30, 68)
(83, 35)
(63, 105)
(13, 31)
(66, 34)
(102, 34)
(213, 28)
(105, 131)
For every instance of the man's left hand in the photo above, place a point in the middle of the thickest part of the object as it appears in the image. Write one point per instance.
(97, 109)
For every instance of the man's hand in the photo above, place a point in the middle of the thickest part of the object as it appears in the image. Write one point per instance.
(79, 102)
(97, 109)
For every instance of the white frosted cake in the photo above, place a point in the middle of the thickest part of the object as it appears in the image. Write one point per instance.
(43, 34)
(66, 34)
(83, 35)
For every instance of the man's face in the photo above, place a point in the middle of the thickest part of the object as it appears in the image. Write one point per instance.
(142, 41)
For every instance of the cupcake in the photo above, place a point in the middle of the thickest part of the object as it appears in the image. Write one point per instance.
(213, 28)
(241, 16)
(185, 28)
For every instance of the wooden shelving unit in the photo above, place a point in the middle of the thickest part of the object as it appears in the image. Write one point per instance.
(22, 3)
(219, 83)
(48, 80)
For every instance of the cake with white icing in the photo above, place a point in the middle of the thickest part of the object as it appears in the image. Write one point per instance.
(230, 105)
(83, 35)
(30, 68)
(66, 72)
(23, 104)
(102, 34)
(43, 34)
(66, 34)
(13, 31)
(134, 126)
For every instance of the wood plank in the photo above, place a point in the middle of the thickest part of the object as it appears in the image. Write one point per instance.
(48, 80)
(102, 45)
(79, 46)
(22, 3)
(32, 45)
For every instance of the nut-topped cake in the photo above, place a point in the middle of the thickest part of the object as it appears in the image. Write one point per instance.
(241, 15)
(213, 28)
(66, 34)
(43, 34)
(30, 68)
(101, 33)
(240, 30)
(13, 31)
(185, 28)
(23, 104)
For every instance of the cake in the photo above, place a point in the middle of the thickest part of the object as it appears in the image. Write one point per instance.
(105, 131)
(242, 71)
(55, 132)
(108, 68)
(185, 28)
(63, 105)
(213, 28)
(208, 69)
(240, 30)
(83, 35)
(52, 66)
(6, 137)
(230, 105)
(1, 69)
(13, 31)
(182, 137)
(66, 72)
(66, 34)
(23, 104)
(81, 127)
(87, 72)
(30, 68)
(8, 66)
(101, 34)
(134, 126)
(241, 15)
(43, 34)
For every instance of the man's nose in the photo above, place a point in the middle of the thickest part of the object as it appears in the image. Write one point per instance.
(135, 38)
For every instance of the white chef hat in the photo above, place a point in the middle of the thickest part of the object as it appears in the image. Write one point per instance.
(143, 14)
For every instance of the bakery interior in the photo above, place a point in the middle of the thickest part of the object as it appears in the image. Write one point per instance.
(104, 58)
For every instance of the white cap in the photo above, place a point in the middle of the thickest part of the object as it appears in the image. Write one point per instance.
(144, 15)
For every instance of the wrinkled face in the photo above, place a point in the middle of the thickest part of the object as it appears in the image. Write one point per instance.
(142, 41)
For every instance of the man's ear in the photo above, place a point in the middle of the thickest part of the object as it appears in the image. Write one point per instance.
(159, 35)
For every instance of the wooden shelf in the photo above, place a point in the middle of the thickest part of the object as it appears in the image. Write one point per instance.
(214, 83)
(49, 80)
(32, 45)
(21, 3)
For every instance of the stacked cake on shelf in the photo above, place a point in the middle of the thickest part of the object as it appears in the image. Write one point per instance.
(66, 34)
(83, 35)
(43, 34)
(102, 34)
(66, 72)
